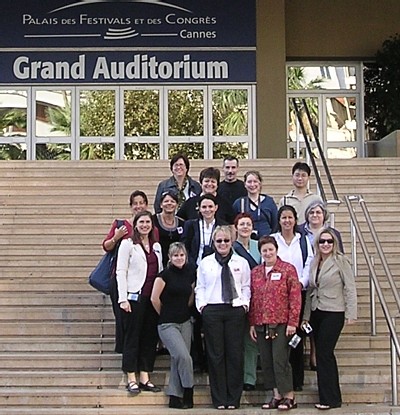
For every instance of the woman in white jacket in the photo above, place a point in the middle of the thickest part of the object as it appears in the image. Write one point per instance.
(139, 261)
(223, 297)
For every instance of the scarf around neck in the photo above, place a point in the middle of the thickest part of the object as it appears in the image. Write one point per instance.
(228, 284)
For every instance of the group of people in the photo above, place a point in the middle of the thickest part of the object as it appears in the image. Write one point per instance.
(220, 274)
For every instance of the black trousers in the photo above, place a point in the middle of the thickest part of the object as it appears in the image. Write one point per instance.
(119, 330)
(140, 336)
(327, 326)
(297, 354)
(224, 336)
(197, 350)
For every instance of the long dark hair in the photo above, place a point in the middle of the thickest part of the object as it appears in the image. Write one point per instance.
(135, 234)
(290, 208)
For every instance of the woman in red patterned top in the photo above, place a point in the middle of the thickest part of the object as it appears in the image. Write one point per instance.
(274, 315)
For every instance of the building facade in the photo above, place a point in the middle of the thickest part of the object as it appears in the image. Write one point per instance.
(132, 79)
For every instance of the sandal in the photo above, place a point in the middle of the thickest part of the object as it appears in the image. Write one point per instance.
(149, 387)
(272, 404)
(132, 387)
(321, 406)
(287, 404)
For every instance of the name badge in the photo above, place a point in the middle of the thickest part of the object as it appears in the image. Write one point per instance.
(134, 296)
(276, 276)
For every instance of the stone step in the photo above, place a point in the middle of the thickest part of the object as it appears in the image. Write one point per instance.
(245, 409)
(95, 312)
(116, 379)
(105, 344)
(106, 361)
(84, 329)
(94, 397)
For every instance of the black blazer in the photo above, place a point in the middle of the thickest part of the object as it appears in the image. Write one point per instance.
(191, 238)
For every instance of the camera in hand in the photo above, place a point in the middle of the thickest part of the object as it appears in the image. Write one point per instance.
(294, 341)
(307, 328)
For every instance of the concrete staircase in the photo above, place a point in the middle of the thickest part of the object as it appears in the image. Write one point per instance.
(56, 332)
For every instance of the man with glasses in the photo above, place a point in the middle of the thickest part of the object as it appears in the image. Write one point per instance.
(300, 197)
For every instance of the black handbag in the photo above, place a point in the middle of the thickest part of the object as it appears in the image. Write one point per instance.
(100, 277)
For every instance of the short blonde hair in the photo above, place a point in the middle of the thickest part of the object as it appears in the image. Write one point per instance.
(225, 229)
(176, 247)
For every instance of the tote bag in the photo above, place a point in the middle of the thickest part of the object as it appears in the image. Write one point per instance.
(100, 277)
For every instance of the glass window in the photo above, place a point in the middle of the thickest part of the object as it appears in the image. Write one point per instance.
(49, 151)
(141, 151)
(230, 112)
(97, 113)
(192, 150)
(97, 151)
(340, 117)
(13, 113)
(185, 112)
(141, 113)
(53, 113)
(221, 150)
(342, 152)
(303, 104)
(321, 77)
(12, 151)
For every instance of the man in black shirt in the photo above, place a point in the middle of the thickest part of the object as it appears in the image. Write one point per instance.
(209, 181)
(231, 188)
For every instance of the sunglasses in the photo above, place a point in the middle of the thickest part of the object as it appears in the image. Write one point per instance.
(325, 241)
(219, 241)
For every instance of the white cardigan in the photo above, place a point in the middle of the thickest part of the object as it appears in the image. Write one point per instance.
(132, 267)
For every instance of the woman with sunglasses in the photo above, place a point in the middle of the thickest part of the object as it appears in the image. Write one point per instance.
(222, 297)
(330, 302)
(317, 218)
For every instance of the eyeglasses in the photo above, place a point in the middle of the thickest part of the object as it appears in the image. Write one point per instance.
(219, 241)
(325, 241)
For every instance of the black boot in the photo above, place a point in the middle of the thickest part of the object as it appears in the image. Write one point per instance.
(175, 402)
(187, 398)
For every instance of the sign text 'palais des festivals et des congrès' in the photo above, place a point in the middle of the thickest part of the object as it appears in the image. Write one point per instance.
(128, 41)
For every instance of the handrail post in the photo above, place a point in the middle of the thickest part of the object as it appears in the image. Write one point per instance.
(393, 366)
(372, 303)
(334, 203)
(353, 241)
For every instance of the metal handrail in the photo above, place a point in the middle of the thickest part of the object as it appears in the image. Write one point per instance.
(395, 345)
(320, 151)
(309, 151)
